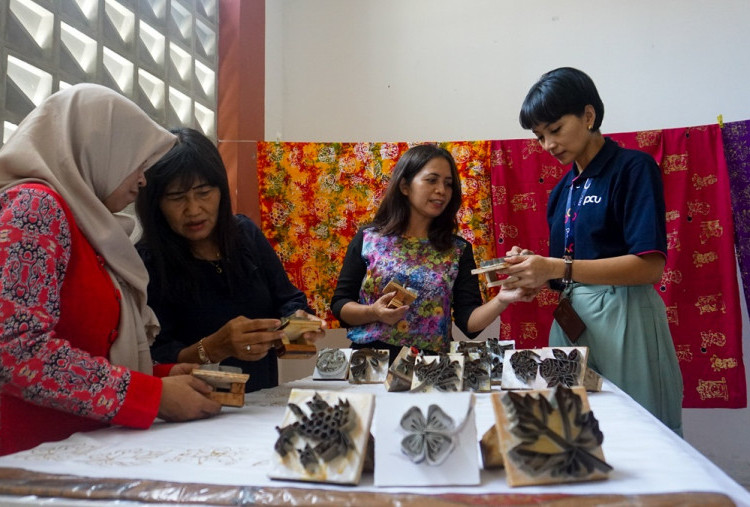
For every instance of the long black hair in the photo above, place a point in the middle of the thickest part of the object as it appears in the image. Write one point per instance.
(193, 158)
(392, 217)
(559, 92)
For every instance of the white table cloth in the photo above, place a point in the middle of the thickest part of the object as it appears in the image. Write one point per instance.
(234, 448)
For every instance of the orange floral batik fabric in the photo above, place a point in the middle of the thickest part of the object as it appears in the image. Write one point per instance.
(315, 196)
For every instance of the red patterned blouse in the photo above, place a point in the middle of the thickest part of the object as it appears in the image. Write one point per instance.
(59, 315)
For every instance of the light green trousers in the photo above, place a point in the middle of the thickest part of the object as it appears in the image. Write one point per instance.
(630, 344)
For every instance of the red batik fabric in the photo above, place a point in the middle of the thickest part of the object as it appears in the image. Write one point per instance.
(699, 286)
(315, 196)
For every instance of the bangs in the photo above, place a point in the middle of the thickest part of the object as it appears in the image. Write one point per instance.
(185, 170)
(539, 109)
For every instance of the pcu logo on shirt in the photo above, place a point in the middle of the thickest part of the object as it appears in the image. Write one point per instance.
(593, 199)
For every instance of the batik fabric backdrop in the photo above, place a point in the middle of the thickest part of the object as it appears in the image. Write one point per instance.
(736, 136)
(699, 285)
(315, 196)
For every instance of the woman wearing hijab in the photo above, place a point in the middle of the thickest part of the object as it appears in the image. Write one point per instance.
(74, 325)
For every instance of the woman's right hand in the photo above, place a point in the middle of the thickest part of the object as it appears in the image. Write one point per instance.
(528, 271)
(243, 338)
(183, 398)
(382, 313)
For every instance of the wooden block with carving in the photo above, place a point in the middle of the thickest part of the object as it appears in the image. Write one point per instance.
(332, 364)
(229, 386)
(477, 365)
(295, 350)
(489, 268)
(323, 437)
(442, 373)
(489, 446)
(544, 368)
(402, 297)
(592, 381)
(549, 436)
(426, 440)
(497, 350)
(293, 345)
(295, 327)
(368, 366)
(401, 372)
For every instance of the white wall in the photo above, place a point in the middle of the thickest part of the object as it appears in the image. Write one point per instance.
(445, 70)
(381, 70)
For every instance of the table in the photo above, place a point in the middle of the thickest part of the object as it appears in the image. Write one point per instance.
(224, 460)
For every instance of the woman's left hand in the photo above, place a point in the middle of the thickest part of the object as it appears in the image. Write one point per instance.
(519, 294)
(312, 336)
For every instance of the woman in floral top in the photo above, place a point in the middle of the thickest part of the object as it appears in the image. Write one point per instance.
(412, 241)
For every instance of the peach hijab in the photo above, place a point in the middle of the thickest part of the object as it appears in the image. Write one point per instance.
(83, 142)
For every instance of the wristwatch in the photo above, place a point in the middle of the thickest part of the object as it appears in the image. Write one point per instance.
(202, 355)
(567, 278)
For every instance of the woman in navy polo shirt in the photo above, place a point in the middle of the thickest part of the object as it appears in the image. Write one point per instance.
(607, 245)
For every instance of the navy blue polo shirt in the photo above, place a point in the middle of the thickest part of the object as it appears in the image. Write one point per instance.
(623, 211)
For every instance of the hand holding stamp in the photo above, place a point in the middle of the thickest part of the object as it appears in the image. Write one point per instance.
(403, 296)
(490, 269)
(293, 345)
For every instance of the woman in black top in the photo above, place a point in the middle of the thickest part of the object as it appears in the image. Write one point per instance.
(216, 284)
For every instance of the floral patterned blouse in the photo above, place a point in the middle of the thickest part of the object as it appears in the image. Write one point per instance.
(442, 281)
(59, 314)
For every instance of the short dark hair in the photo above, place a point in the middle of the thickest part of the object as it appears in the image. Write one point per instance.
(193, 158)
(559, 92)
(392, 217)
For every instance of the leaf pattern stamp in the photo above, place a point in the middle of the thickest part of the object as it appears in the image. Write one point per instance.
(552, 438)
(545, 368)
(525, 364)
(477, 365)
(476, 375)
(496, 349)
(442, 373)
(562, 369)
